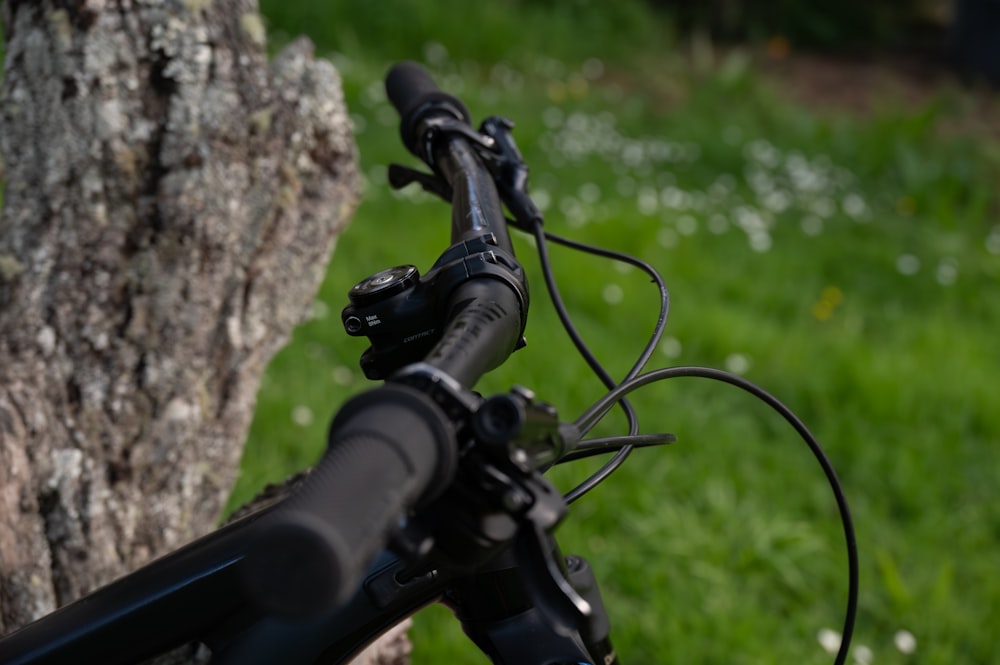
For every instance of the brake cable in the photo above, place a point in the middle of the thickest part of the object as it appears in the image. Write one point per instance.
(592, 415)
(633, 380)
(511, 178)
(624, 451)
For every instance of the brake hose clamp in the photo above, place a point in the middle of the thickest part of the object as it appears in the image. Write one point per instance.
(401, 312)
(457, 402)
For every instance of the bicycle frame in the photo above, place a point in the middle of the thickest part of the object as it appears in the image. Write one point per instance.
(477, 534)
(204, 583)
(136, 617)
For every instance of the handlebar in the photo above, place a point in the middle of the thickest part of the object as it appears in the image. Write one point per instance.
(394, 447)
(415, 96)
(390, 449)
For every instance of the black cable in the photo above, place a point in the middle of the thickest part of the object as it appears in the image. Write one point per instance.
(591, 360)
(602, 406)
(607, 444)
(541, 238)
(621, 257)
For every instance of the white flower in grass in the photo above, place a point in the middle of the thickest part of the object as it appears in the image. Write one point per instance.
(905, 641)
(632, 154)
(687, 225)
(823, 207)
(863, 655)
(718, 224)
(302, 415)
(763, 152)
(829, 640)
(541, 198)
(777, 200)
(320, 310)
(854, 206)
(993, 241)
(907, 264)
(647, 201)
(670, 347)
(343, 375)
(667, 238)
(947, 272)
(738, 363)
(760, 241)
(436, 53)
(592, 69)
(573, 211)
(613, 294)
(812, 225)
(590, 193)
(749, 219)
(673, 198)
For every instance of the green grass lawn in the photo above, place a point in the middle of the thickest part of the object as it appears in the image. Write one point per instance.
(849, 266)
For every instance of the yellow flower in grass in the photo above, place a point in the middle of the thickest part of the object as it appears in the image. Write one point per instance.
(828, 301)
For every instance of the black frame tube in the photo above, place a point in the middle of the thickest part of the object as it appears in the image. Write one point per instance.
(136, 617)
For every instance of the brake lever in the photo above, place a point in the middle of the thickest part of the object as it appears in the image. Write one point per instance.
(510, 172)
(402, 176)
(544, 569)
(495, 144)
(524, 435)
(563, 590)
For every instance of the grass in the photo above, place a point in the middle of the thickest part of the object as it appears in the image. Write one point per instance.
(849, 266)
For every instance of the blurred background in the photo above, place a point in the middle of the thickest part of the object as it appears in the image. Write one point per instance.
(817, 182)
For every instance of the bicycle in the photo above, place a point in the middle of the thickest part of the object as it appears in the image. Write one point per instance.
(427, 491)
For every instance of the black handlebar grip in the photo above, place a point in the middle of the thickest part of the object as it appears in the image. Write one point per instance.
(413, 92)
(390, 449)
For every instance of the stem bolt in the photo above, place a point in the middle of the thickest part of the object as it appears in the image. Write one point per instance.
(352, 325)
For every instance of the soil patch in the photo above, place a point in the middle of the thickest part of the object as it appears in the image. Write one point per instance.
(866, 84)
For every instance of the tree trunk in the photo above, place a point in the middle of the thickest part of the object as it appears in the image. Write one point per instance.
(171, 203)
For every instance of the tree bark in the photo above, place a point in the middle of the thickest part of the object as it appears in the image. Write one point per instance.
(171, 202)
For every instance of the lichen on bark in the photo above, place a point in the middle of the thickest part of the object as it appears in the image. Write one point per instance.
(170, 204)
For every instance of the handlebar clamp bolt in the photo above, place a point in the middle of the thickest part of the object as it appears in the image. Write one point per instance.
(515, 501)
(527, 394)
(352, 325)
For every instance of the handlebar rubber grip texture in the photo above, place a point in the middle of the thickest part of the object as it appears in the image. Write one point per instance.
(390, 449)
(413, 92)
